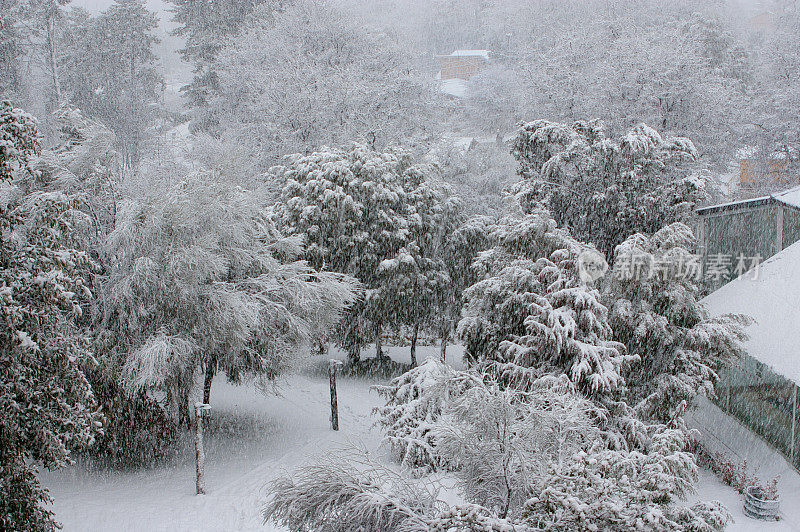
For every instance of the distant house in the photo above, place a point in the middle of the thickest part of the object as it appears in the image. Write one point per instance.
(775, 171)
(458, 67)
(759, 227)
(462, 64)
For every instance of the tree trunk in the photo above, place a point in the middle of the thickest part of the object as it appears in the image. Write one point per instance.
(184, 416)
(332, 365)
(414, 336)
(443, 348)
(354, 353)
(211, 368)
(378, 343)
(51, 48)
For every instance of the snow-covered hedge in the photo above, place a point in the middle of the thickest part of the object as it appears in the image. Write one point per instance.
(414, 403)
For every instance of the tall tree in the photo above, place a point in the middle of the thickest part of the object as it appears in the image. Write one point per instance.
(604, 189)
(350, 208)
(206, 26)
(654, 300)
(11, 48)
(201, 277)
(109, 71)
(47, 17)
(47, 408)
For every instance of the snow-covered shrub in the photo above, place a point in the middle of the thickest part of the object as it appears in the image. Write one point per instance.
(414, 404)
(604, 189)
(474, 518)
(348, 495)
(656, 312)
(501, 441)
(603, 489)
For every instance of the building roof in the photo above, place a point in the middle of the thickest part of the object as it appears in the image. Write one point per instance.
(471, 53)
(771, 298)
(790, 198)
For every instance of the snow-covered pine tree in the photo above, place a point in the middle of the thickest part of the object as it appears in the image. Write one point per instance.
(532, 311)
(200, 275)
(604, 189)
(47, 408)
(655, 310)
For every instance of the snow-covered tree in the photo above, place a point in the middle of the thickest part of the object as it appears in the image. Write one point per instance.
(654, 297)
(603, 189)
(417, 283)
(315, 75)
(469, 237)
(46, 18)
(501, 440)
(531, 309)
(374, 216)
(109, 71)
(200, 275)
(85, 161)
(47, 409)
(206, 27)
(602, 489)
(11, 50)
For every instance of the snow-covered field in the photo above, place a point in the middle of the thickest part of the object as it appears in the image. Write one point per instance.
(252, 438)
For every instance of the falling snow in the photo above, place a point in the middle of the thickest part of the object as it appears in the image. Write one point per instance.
(399, 265)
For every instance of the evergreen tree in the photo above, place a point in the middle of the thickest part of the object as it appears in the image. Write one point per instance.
(602, 189)
(350, 207)
(654, 297)
(531, 310)
(206, 26)
(47, 408)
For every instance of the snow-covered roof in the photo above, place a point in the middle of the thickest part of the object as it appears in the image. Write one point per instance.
(454, 87)
(789, 198)
(772, 299)
(471, 53)
(753, 202)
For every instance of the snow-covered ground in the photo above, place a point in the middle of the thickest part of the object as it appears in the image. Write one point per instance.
(722, 433)
(252, 438)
